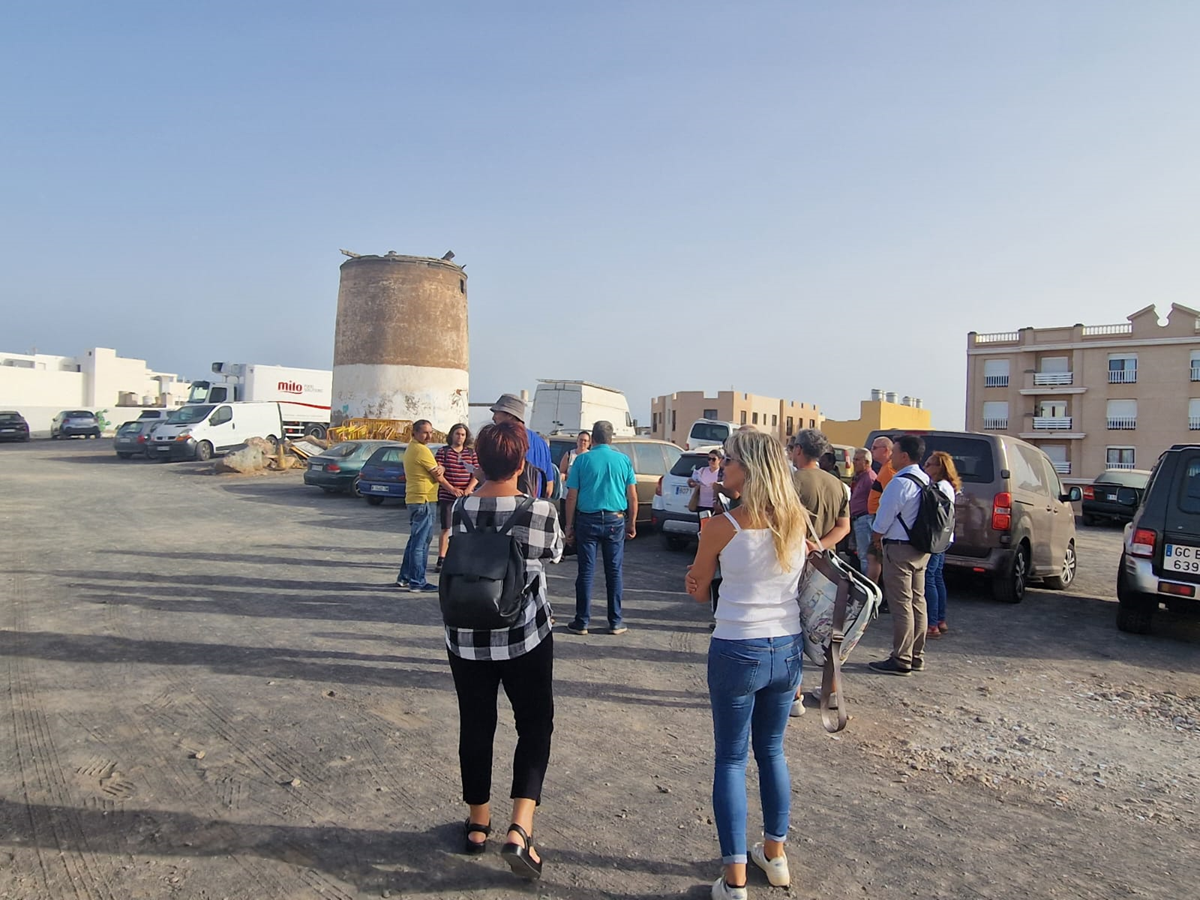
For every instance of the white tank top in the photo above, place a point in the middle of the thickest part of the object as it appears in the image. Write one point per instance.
(758, 598)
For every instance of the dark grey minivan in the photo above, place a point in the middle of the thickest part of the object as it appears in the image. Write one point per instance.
(1013, 521)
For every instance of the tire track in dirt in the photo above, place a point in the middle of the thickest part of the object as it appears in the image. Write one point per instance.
(73, 867)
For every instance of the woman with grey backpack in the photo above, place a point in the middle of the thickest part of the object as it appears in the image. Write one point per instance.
(497, 622)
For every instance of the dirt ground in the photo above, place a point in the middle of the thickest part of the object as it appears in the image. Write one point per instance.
(213, 692)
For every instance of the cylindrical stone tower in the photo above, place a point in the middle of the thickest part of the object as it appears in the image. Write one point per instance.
(400, 346)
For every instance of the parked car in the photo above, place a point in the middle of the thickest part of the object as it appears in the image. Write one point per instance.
(1013, 521)
(383, 474)
(652, 460)
(338, 469)
(197, 431)
(1100, 497)
(74, 423)
(844, 454)
(706, 433)
(133, 438)
(669, 511)
(13, 426)
(1160, 559)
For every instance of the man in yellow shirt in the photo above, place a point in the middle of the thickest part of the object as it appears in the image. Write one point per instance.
(422, 476)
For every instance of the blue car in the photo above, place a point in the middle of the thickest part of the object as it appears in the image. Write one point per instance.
(382, 475)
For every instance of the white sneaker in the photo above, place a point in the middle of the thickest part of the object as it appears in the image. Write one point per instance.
(722, 891)
(776, 869)
(797, 708)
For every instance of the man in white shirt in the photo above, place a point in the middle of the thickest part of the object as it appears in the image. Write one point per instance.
(903, 565)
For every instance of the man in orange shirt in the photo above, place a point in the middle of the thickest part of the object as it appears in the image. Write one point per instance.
(881, 463)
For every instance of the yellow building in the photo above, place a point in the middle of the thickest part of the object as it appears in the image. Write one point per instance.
(882, 411)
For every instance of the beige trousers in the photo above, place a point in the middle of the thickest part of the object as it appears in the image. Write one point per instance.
(904, 590)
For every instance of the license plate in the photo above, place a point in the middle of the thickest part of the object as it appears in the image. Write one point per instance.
(316, 467)
(7, 430)
(381, 488)
(682, 489)
(1178, 558)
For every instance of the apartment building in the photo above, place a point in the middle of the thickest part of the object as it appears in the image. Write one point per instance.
(1091, 396)
(671, 415)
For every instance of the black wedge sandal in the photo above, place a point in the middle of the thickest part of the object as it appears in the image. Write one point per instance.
(471, 847)
(518, 857)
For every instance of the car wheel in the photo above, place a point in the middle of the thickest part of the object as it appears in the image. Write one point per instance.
(124, 455)
(315, 431)
(356, 486)
(1135, 614)
(674, 542)
(375, 501)
(1089, 519)
(204, 451)
(1070, 563)
(1010, 586)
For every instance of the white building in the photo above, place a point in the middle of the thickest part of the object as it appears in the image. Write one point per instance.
(39, 386)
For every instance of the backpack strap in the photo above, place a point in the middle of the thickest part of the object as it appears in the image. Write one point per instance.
(526, 503)
(921, 485)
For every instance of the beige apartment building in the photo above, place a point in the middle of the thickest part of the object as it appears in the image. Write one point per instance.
(672, 415)
(1091, 396)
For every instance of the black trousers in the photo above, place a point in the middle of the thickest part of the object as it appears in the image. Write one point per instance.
(528, 682)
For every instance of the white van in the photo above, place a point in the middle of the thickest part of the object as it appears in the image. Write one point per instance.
(706, 433)
(202, 429)
(569, 407)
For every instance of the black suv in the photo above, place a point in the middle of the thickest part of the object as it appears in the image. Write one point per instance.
(1160, 562)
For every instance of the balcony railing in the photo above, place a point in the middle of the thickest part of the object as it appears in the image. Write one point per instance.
(1122, 423)
(994, 424)
(1193, 423)
(1052, 423)
(1120, 465)
(997, 337)
(1195, 373)
(995, 381)
(1122, 328)
(1053, 378)
(1062, 468)
(1122, 376)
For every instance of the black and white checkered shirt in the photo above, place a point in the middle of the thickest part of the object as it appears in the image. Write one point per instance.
(541, 538)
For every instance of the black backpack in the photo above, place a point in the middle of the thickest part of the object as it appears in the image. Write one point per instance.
(483, 576)
(933, 529)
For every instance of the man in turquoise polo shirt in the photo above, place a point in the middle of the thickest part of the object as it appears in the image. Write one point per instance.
(602, 509)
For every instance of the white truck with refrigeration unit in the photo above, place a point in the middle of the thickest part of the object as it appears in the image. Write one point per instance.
(303, 395)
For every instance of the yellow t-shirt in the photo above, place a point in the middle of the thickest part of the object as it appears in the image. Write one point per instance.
(421, 486)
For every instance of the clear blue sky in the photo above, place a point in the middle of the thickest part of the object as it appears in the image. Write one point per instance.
(804, 200)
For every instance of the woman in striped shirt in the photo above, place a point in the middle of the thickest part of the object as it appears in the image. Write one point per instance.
(521, 657)
(459, 460)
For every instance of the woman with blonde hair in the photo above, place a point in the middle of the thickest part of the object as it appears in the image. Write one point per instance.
(755, 657)
(941, 471)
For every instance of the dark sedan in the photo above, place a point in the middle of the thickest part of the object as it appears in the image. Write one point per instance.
(337, 469)
(383, 475)
(132, 438)
(1100, 497)
(13, 426)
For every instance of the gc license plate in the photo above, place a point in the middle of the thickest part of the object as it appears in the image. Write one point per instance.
(381, 488)
(316, 467)
(682, 489)
(1177, 558)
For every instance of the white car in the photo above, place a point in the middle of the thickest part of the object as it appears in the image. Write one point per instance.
(708, 433)
(670, 513)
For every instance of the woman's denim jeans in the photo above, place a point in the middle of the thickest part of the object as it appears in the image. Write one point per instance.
(751, 685)
(935, 589)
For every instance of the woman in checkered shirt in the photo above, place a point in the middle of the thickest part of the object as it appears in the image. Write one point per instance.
(521, 657)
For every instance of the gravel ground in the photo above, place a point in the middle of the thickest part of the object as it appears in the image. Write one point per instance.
(213, 692)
